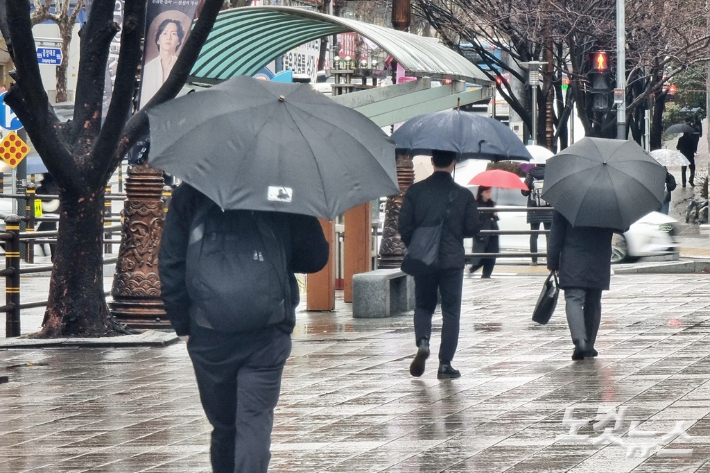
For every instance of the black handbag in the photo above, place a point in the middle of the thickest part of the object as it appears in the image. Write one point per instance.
(423, 250)
(547, 301)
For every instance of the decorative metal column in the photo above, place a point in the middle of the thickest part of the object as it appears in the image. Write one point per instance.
(391, 247)
(136, 285)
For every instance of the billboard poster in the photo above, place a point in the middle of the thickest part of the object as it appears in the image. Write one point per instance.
(167, 28)
(303, 59)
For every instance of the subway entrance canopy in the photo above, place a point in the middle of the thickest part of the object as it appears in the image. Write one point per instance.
(243, 40)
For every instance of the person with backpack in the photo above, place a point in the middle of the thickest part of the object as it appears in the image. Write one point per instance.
(229, 289)
(439, 201)
(534, 181)
(670, 185)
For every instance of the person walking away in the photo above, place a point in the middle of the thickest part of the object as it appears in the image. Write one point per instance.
(485, 243)
(425, 204)
(48, 186)
(534, 180)
(581, 256)
(670, 187)
(228, 284)
(688, 146)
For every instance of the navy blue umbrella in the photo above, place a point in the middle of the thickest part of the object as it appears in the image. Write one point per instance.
(469, 135)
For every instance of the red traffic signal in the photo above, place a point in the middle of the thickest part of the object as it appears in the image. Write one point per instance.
(671, 89)
(600, 61)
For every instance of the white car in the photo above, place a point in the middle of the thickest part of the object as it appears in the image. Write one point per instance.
(654, 234)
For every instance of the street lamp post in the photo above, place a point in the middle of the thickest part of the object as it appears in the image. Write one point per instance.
(533, 79)
(621, 68)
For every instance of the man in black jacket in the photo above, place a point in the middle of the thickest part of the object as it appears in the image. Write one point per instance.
(425, 204)
(582, 258)
(238, 373)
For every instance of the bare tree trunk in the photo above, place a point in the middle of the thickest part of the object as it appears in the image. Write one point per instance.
(65, 33)
(80, 309)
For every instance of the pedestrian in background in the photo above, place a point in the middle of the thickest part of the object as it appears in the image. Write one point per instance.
(688, 146)
(535, 179)
(485, 243)
(670, 185)
(425, 204)
(238, 369)
(581, 256)
(48, 186)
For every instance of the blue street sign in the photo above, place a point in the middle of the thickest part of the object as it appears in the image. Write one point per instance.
(8, 120)
(52, 56)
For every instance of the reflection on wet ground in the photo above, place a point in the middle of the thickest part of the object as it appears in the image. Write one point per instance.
(348, 403)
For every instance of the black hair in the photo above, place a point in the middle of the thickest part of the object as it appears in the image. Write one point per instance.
(481, 190)
(180, 31)
(442, 159)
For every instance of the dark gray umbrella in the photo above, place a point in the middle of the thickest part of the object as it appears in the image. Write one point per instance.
(251, 144)
(471, 136)
(680, 128)
(598, 182)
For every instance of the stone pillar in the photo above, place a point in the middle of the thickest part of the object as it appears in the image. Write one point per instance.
(136, 285)
(391, 247)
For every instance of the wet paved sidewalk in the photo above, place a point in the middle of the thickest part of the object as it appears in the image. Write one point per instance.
(348, 403)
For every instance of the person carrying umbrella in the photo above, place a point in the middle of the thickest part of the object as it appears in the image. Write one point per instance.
(485, 243)
(688, 145)
(425, 204)
(596, 186)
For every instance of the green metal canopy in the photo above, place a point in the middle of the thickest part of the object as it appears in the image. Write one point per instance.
(243, 40)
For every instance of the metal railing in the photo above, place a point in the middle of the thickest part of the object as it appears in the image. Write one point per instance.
(13, 238)
(512, 254)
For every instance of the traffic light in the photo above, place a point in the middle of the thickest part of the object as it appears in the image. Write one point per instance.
(600, 79)
(670, 93)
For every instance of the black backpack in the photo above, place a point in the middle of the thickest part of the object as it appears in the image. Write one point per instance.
(237, 275)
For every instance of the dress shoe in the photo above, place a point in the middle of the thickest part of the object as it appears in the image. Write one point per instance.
(416, 369)
(591, 353)
(691, 183)
(446, 371)
(580, 349)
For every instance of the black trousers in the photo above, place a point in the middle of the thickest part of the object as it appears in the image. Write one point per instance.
(533, 236)
(449, 282)
(239, 379)
(691, 179)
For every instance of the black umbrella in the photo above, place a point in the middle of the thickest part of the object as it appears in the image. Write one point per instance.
(598, 182)
(471, 136)
(251, 144)
(680, 128)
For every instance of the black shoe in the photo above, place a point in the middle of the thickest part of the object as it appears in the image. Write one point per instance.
(580, 349)
(591, 353)
(446, 371)
(691, 184)
(416, 369)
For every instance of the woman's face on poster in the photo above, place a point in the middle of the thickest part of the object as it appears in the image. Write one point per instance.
(169, 40)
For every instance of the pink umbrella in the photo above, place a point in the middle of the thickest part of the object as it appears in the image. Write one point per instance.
(498, 178)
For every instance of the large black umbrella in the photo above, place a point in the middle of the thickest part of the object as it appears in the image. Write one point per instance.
(471, 136)
(680, 128)
(598, 182)
(250, 144)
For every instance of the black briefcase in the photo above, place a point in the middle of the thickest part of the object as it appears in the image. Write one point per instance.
(547, 301)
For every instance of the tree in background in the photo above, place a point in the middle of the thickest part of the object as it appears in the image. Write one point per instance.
(664, 37)
(82, 153)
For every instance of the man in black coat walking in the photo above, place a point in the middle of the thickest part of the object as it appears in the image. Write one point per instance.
(582, 258)
(238, 372)
(425, 204)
